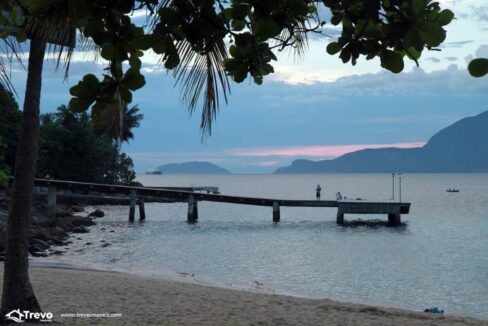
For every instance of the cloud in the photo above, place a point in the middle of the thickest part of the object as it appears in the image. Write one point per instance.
(417, 82)
(482, 51)
(480, 12)
(433, 59)
(297, 75)
(457, 44)
(317, 151)
(451, 58)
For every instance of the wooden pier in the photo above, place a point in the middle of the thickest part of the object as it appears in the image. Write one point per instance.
(393, 210)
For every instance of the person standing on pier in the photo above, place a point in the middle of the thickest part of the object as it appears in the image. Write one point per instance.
(317, 192)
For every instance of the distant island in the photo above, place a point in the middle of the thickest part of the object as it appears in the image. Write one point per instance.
(460, 148)
(192, 168)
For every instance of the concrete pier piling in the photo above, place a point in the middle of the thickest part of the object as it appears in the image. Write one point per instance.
(192, 209)
(133, 200)
(340, 217)
(276, 211)
(142, 210)
(394, 218)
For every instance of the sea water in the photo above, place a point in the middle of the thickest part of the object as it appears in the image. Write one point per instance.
(438, 257)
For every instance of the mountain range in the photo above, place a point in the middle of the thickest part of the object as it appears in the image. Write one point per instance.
(460, 148)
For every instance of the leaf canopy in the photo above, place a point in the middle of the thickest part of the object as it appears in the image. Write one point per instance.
(208, 42)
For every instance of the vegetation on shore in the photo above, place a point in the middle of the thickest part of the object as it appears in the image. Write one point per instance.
(72, 146)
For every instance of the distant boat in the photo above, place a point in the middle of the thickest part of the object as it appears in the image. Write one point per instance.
(452, 190)
(154, 172)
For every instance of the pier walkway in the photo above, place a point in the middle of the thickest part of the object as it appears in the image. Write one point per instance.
(392, 209)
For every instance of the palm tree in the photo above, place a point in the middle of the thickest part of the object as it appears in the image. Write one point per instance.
(17, 289)
(118, 124)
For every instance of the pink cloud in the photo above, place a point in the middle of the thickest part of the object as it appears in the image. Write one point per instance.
(316, 151)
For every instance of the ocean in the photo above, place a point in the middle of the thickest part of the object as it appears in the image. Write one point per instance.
(437, 257)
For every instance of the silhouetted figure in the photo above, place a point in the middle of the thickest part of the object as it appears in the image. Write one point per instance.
(317, 192)
(338, 196)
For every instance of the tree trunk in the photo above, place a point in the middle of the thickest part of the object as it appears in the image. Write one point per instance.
(17, 289)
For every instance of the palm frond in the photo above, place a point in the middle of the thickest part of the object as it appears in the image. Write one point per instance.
(59, 33)
(295, 38)
(10, 52)
(203, 72)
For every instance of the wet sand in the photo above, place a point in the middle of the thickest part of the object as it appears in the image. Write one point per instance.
(148, 301)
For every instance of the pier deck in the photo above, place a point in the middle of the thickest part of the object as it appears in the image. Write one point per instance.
(137, 194)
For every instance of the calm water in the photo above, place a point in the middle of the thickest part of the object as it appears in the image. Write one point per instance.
(438, 258)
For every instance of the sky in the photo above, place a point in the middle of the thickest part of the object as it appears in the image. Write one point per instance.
(315, 108)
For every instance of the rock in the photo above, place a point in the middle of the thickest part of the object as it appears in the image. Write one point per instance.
(42, 221)
(63, 212)
(36, 248)
(82, 220)
(41, 243)
(39, 254)
(105, 245)
(80, 229)
(54, 241)
(37, 232)
(77, 209)
(57, 232)
(97, 213)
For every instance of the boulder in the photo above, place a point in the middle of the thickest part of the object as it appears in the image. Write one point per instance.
(36, 232)
(82, 220)
(63, 212)
(36, 248)
(57, 232)
(80, 229)
(97, 213)
(42, 221)
(40, 243)
(55, 241)
(77, 209)
(39, 254)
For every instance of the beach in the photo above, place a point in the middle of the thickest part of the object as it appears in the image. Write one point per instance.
(150, 301)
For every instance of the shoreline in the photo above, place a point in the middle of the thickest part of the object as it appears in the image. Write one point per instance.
(100, 287)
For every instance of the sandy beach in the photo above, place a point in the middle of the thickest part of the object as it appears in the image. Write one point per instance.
(146, 301)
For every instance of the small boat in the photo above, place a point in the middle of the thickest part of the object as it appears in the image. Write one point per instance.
(157, 172)
(452, 190)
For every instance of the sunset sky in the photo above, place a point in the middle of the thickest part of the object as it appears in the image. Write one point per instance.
(315, 108)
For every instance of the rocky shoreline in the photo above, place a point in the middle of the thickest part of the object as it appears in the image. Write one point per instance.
(50, 236)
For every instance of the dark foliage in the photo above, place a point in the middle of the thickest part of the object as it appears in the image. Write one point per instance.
(71, 148)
